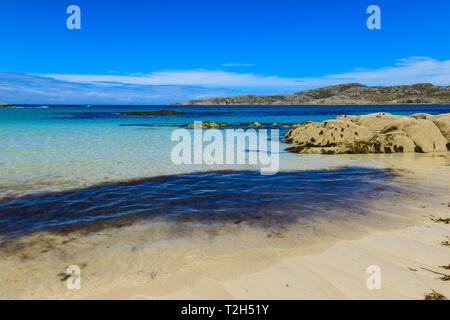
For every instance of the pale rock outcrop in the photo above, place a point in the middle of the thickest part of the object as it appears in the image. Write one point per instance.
(375, 122)
(372, 133)
(393, 141)
(442, 121)
(347, 117)
(424, 116)
(331, 135)
(426, 136)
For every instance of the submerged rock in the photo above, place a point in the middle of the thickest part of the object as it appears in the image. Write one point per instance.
(207, 125)
(372, 133)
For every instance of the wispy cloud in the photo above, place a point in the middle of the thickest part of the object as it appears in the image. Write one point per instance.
(171, 86)
(404, 71)
(31, 89)
(204, 78)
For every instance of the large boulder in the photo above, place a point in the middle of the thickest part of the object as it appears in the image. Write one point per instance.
(375, 122)
(347, 117)
(372, 133)
(312, 137)
(424, 116)
(443, 123)
(393, 141)
(425, 134)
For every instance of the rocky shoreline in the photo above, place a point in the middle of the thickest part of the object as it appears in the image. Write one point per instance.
(343, 94)
(210, 124)
(372, 133)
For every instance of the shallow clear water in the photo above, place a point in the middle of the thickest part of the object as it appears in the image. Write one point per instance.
(201, 198)
(61, 147)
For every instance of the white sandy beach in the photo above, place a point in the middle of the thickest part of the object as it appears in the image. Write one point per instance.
(323, 259)
(334, 270)
(339, 272)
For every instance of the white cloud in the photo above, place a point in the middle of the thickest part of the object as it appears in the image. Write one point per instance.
(404, 71)
(206, 78)
(30, 89)
(172, 86)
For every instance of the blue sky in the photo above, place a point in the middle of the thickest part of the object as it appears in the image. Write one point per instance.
(160, 51)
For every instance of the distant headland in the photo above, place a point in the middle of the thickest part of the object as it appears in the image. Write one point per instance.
(343, 94)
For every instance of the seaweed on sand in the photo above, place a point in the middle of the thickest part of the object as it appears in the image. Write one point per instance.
(443, 276)
(434, 295)
(275, 234)
(445, 243)
(63, 276)
(442, 220)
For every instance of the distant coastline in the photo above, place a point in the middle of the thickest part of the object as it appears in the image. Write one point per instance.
(343, 94)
